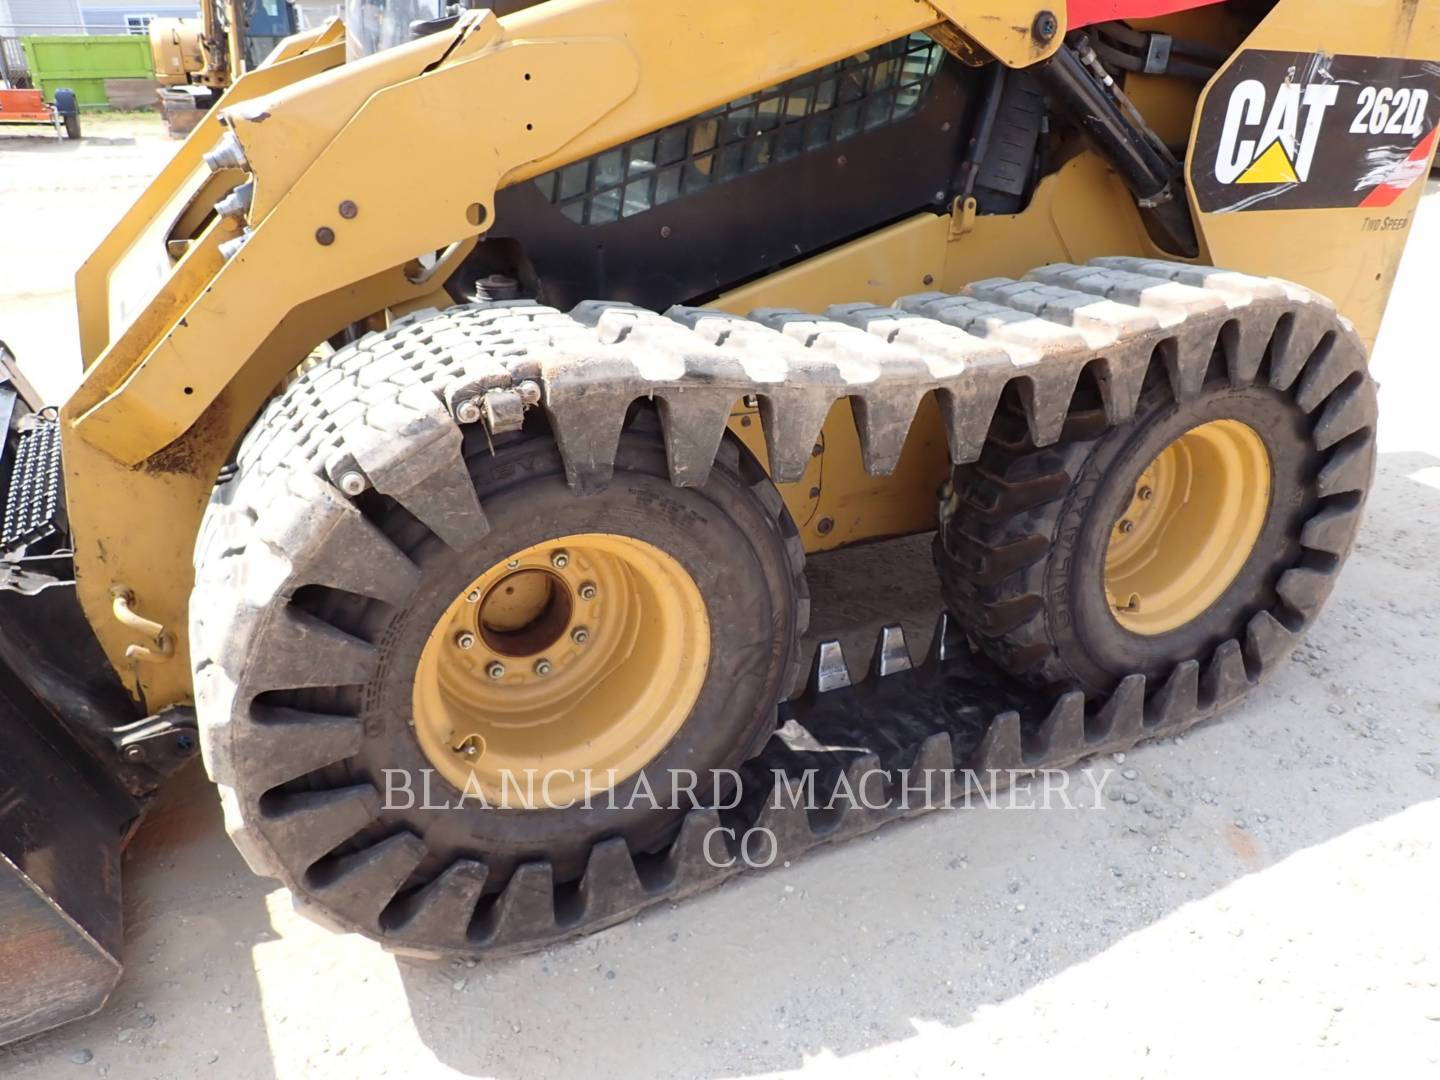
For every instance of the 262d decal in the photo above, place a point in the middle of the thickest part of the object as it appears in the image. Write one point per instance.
(1303, 131)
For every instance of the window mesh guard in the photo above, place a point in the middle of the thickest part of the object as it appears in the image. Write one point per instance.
(868, 90)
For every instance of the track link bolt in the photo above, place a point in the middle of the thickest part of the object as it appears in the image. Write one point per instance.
(1127, 526)
(1146, 494)
(495, 670)
(542, 667)
(464, 640)
(588, 591)
(560, 560)
(580, 635)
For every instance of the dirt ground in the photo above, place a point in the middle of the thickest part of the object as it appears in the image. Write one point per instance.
(1260, 896)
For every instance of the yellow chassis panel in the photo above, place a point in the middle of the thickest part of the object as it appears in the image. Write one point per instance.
(1080, 213)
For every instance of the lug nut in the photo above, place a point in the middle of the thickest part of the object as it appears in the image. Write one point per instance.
(465, 640)
(472, 746)
(512, 564)
(580, 635)
(352, 483)
(468, 412)
(542, 667)
(496, 670)
(473, 596)
(588, 591)
(1127, 526)
(1146, 494)
(560, 560)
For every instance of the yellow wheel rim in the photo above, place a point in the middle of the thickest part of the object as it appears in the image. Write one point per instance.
(562, 671)
(1192, 522)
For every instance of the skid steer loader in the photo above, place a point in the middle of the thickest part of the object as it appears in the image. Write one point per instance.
(463, 412)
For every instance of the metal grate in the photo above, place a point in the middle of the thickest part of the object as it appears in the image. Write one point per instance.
(13, 68)
(822, 107)
(32, 505)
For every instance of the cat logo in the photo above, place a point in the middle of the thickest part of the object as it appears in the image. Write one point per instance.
(1286, 131)
(1274, 146)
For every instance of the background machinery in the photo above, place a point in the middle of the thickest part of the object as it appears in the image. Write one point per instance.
(196, 59)
(457, 422)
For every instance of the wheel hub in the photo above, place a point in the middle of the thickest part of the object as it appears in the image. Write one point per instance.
(562, 670)
(525, 613)
(1189, 528)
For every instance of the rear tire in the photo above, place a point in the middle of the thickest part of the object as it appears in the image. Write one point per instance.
(1025, 531)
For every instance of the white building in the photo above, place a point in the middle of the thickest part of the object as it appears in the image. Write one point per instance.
(27, 18)
(31, 18)
(131, 16)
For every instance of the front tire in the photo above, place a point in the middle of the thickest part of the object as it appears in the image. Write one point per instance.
(313, 612)
(723, 546)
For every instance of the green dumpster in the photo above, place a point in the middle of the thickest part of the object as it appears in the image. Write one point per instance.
(83, 63)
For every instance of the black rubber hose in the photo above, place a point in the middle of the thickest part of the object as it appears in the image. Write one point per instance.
(984, 129)
(1128, 148)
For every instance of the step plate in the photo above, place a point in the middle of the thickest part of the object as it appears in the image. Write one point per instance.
(32, 499)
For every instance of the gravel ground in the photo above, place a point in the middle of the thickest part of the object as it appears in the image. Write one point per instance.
(1258, 894)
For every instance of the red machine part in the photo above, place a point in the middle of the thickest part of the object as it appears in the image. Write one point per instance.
(24, 107)
(1085, 12)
